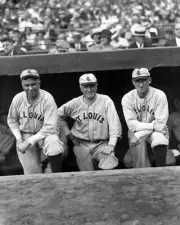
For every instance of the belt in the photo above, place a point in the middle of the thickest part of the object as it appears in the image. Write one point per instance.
(27, 132)
(94, 141)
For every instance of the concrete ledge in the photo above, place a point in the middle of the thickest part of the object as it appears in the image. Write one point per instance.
(91, 61)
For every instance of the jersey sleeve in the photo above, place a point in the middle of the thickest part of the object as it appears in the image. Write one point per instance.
(161, 111)
(50, 122)
(115, 128)
(64, 112)
(13, 119)
(131, 118)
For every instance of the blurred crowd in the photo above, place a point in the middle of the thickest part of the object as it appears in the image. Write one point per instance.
(78, 25)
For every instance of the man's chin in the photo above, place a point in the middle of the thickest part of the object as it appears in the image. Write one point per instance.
(91, 96)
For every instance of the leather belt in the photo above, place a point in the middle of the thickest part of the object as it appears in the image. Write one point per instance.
(94, 141)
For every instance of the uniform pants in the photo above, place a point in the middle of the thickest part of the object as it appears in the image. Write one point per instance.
(87, 152)
(137, 156)
(31, 159)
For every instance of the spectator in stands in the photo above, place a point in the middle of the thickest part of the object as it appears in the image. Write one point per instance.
(96, 41)
(168, 36)
(30, 36)
(10, 49)
(106, 40)
(14, 34)
(36, 25)
(118, 41)
(175, 41)
(61, 46)
(39, 42)
(22, 43)
(77, 44)
(140, 40)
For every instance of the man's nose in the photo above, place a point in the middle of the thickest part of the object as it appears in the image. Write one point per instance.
(30, 87)
(141, 83)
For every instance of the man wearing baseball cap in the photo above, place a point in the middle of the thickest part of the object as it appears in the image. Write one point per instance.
(32, 119)
(96, 129)
(146, 112)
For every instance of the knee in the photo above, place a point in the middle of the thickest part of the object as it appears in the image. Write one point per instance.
(53, 145)
(158, 139)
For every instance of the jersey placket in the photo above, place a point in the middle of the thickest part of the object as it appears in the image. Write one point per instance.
(90, 123)
(144, 112)
(31, 118)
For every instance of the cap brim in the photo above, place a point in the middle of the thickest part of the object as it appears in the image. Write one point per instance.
(141, 77)
(89, 83)
(30, 76)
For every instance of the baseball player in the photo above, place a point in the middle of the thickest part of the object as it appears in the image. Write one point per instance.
(7, 140)
(146, 112)
(174, 123)
(96, 126)
(32, 119)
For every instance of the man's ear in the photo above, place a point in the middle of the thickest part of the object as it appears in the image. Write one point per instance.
(133, 82)
(150, 80)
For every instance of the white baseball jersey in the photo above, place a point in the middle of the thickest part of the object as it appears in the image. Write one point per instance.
(38, 118)
(174, 124)
(98, 121)
(141, 113)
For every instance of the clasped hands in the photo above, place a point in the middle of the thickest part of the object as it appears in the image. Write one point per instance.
(159, 127)
(22, 146)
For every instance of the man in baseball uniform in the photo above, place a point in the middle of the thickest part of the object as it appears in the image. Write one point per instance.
(96, 126)
(146, 112)
(32, 119)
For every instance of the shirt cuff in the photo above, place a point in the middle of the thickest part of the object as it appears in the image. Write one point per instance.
(113, 141)
(33, 140)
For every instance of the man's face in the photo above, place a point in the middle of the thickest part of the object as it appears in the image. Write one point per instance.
(8, 46)
(104, 40)
(31, 86)
(96, 38)
(177, 30)
(89, 90)
(142, 85)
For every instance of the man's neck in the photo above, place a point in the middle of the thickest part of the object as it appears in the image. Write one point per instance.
(32, 99)
(90, 101)
(143, 95)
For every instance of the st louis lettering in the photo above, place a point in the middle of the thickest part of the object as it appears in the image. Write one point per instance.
(78, 120)
(34, 115)
(91, 115)
(143, 109)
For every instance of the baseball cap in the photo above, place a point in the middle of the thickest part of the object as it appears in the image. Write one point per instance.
(29, 73)
(140, 73)
(87, 78)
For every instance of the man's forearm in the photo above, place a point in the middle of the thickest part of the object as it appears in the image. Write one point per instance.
(142, 134)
